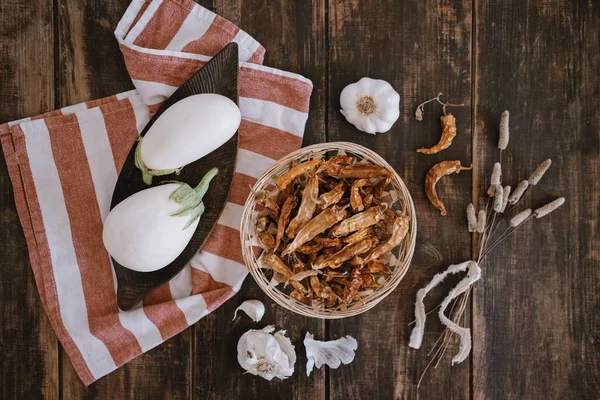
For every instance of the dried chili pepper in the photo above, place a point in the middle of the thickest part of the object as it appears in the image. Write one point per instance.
(399, 232)
(325, 220)
(311, 247)
(355, 249)
(355, 200)
(262, 223)
(273, 261)
(359, 221)
(271, 206)
(283, 181)
(335, 163)
(307, 207)
(377, 267)
(332, 197)
(381, 186)
(359, 235)
(448, 134)
(434, 175)
(286, 210)
(352, 289)
(267, 240)
(362, 171)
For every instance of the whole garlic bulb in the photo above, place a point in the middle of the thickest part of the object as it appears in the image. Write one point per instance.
(266, 355)
(371, 105)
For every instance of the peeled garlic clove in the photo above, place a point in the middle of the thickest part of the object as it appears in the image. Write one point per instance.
(332, 353)
(371, 105)
(255, 309)
(266, 355)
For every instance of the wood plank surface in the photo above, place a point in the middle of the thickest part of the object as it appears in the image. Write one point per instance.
(535, 312)
(28, 346)
(294, 43)
(421, 50)
(537, 307)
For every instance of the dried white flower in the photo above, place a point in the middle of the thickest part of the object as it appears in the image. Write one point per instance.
(481, 221)
(471, 218)
(548, 208)
(505, 196)
(519, 218)
(498, 198)
(504, 135)
(539, 172)
(416, 336)
(266, 355)
(496, 179)
(518, 193)
(255, 309)
(332, 353)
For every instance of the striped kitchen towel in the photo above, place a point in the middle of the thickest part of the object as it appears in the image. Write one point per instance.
(64, 165)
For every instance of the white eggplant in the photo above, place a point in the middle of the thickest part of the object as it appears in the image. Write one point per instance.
(187, 131)
(148, 230)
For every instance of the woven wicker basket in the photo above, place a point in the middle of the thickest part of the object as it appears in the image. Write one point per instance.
(402, 254)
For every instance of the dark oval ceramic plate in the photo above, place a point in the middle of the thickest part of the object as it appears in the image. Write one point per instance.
(219, 75)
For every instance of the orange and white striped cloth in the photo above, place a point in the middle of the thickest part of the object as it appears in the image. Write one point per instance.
(64, 165)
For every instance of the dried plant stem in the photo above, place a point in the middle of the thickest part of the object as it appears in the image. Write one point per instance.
(507, 233)
(439, 350)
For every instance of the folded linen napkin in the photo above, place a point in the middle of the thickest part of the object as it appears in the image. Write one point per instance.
(64, 165)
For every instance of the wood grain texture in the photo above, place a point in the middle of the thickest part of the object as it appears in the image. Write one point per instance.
(537, 307)
(28, 346)
(535, 319)
(90, 66)
(294, 42)
(421, 49)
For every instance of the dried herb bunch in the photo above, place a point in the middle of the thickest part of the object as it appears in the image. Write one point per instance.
(495, 221)
(328, 228)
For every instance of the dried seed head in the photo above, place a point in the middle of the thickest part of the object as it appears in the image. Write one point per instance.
(495, 180)
(539, 172)
(548, 208)
(518, 193)
(498, 198)
(471, 218)
(519, 218)
(504, 135)
(481, 221)
(505, 196)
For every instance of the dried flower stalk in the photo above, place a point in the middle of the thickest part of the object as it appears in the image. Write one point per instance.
(481, 217)
(498, 198)
(519, 218)
(471, 218)
(535, 177)
(505, 195)
(548, 208)
(495, 180)
(504, 134)
(518, 193)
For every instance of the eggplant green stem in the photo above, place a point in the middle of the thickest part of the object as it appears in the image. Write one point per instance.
(148, 173)
(190, 198)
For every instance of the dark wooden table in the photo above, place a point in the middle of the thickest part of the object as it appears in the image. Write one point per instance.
(536, 312)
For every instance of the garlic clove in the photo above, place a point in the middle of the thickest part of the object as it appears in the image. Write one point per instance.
(255, 309)
(333, 353)
(266, 355)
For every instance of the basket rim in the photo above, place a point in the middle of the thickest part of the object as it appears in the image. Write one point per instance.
(293, 305)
